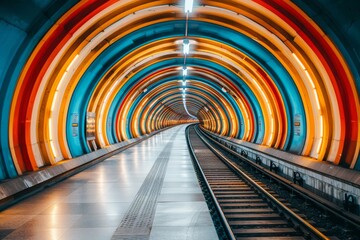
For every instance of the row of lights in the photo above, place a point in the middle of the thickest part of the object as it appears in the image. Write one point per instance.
(186, 51)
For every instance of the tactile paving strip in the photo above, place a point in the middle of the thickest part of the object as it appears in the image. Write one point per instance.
(137, 222)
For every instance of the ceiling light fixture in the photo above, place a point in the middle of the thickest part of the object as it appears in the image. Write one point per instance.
(186, 51)
(188, 6)
(186, 46)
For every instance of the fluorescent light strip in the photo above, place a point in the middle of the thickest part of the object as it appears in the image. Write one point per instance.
(269, 108)
(298, 60)
(263, 94)
(321, 134)
(319, 146)
(310, 79)
(321, 126)
(248, 124)
(271, 131)
(186, 47)
(72, 62)
(188, 6)
(102, 112)
(54, 100)
(61, 80)
(50, 130)
(152, 104)
(270, 140)
(247, 120)
(53, 149)
(261, 91)
(316, 99)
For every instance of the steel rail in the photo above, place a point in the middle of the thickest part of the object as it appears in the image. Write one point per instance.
(305, 227)
(326, 205)
(226, 225)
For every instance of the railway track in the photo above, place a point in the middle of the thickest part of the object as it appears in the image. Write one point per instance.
(245, 206)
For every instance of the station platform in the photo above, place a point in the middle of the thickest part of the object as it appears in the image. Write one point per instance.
(149, 191)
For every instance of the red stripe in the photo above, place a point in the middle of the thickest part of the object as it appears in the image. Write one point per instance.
(36, 71)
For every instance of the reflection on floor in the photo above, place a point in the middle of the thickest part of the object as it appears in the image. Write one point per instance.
(96, 203)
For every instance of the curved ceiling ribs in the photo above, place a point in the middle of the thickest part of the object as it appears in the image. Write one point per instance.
(261, 71)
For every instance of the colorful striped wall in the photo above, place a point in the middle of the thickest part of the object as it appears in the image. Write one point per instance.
(80, 75)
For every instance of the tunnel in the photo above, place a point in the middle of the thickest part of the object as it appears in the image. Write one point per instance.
(80, 77)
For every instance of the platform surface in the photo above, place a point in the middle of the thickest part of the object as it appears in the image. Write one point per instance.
(149, 191)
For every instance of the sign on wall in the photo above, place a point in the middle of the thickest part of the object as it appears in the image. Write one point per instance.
(90, 125)
(297, 124)
(75, 124)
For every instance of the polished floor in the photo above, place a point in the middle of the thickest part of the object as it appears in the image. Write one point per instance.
(149, 191)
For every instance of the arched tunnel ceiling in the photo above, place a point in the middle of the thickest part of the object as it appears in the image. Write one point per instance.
(75, 74)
